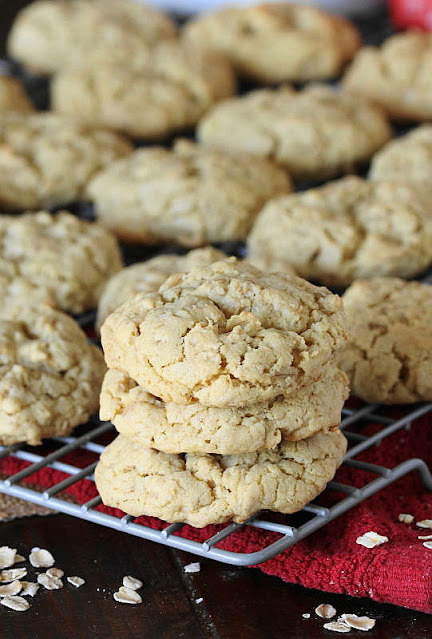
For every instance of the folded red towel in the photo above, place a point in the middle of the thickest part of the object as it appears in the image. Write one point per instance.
(398, 571)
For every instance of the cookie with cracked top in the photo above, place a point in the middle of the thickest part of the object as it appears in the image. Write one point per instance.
(408, 158)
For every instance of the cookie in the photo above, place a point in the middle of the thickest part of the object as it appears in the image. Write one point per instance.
(13, 96)
(47, 159)
(389, 356)
(211, 489)
(152, 99)
(396, 76)
(50, 376)
(147, 277)
(225, 335)
(315, 133)
(193, 428)
(49, 35)
(276, 42)
(405, 158)
(56, 259)
(187, 195)
(348, 229)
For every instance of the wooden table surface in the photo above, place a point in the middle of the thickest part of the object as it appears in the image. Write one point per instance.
(238, 603)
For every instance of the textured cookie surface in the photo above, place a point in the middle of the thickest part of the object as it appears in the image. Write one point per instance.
(225, 335)
(348, 229)
(12, 96)
(51, 34)
(212, 489)
(47, 159)
(277, 42)
(315, 133)
(147, 277)
(57, 259)
(152, 98)
(405, 158)
(50, 376)
(397, 75)
(389, 356)
(193, 428)
(188, 196)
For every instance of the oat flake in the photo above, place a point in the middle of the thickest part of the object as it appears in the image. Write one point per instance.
(371, 539)
(405, 518)
(424, 523)
(428, 544)
(41, 558)
(325, 611)
(76, 581)
(337, 626)
(50, 583)
(7, 556)
(15, 602)
(193, 567)
(359, 623)
(55, 572)
(424, 537)
(306, 615)
(10, 589)
(132, 582)
(29, 588)
(127, 595)
(12, 574)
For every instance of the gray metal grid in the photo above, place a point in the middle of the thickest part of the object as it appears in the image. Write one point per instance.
(314, 515)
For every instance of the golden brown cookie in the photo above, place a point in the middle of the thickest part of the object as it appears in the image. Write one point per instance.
(188, 195)
(50, 376)
(212, 489)
(49, 35)
(225, 335)
(389, 355)
(151, 98)
(147, 277)
(347, 229)
(314, 133)
(397, 75)
(57, 259)
(406, 158)
(277, 42)
(194, 428)
(47, 159)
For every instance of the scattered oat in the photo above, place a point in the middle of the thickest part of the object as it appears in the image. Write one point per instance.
(132, 582)
(424, 537)
(337, 626)
(371, 539)
(199, 600)
(359, 623)
(19, 559)
(76, 581)
(16, 603)
(405, 518)
(325, 611)
(7, 556)
(127, 595)
(50, 583)
(12, 574)
(306, 615)
(29, 588)
(10, 589)
(193, 567)
(41, 558)
(424, 523)
(428, 544)
(55, 572)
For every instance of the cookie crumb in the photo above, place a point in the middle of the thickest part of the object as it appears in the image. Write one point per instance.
(15, 603)
(424, 523)
(371, 539)
(405, 518)
(132, 582)
(337, 626)
(325, 611)
(41, 558)
(76, 581)
(193, 567)
(359, 623)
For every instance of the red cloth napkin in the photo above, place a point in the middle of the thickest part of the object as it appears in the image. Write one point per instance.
(398, 572)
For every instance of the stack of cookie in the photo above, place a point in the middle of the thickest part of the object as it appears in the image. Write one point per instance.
(224, 390)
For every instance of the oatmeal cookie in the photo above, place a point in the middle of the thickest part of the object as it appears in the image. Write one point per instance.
(225, 335)
(57, 259)
(397, 76)
(147, 277)
(50, 376)
(405, 158)
(389, 355)
(212, 489)
(194, 428)
(347, 229)
(49, 35)
(152, 99)
(316, 133)
(47, 159)
(187, 195)
(277, 42)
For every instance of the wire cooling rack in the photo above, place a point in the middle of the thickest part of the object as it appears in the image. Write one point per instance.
(289, 528)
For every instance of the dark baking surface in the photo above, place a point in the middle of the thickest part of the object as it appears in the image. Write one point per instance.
(238, 603)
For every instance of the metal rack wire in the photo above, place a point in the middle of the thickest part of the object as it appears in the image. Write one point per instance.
(314, 515)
